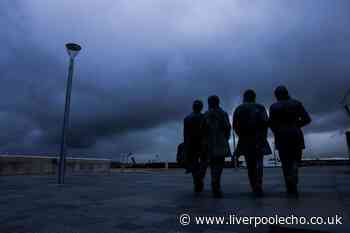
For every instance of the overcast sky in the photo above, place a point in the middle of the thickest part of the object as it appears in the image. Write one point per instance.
(143, 62)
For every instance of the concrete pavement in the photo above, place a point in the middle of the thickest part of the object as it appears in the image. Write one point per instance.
(152, 201)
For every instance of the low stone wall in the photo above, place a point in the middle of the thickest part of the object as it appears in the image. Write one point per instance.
(40, 165)
(318, 162)
(228, 164)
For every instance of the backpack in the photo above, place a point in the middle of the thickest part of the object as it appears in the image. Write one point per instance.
(180, 155)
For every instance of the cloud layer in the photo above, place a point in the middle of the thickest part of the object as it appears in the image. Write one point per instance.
(143, 63)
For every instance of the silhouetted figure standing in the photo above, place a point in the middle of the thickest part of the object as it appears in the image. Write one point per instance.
(196, 162)
(250, 121)
(216, 133)
(287, 117)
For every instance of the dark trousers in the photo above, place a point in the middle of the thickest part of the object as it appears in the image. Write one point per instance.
(255, 168)
(290, 160)
(216, 168)
(199, 166)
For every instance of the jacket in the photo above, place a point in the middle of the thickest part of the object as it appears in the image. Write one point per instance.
(250, 122)
(216, 133)
(287, 117)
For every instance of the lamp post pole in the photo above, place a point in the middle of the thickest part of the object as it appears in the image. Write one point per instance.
(73, 50)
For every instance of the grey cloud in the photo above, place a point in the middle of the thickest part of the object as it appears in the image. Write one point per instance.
(142, 65)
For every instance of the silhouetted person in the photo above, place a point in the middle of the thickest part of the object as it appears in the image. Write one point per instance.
(196, 162)
(216, 133)
(287, 117)
(250, 121)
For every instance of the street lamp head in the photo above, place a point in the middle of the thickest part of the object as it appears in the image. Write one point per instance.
(73, 49)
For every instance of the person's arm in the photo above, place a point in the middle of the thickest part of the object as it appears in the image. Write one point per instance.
(264, 119)
(227, 126)
(235, 125)
(185, 131)
(204, 133)
(304, 117)
(235, 154)
(272, 120)
(203, 127)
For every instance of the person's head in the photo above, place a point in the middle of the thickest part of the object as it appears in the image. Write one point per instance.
(281, 93)
(197, 106)
(213, 102)
(249, 96)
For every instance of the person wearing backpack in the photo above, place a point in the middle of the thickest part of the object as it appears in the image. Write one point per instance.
(216, 133)
(287, 117)
(250, 122)
(195, 162)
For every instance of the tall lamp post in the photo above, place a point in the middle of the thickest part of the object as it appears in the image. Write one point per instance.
(73, 50)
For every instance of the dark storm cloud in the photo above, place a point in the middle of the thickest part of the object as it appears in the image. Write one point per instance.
(142, 65)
